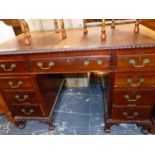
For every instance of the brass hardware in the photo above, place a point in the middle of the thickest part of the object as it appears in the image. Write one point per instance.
(133, 62)
(19, 83)
(132, 116)
(141, 80)
(27, 112)
(99, 62)
(12, 66)
(132, 100)
(40, 64)
(25, 97)
(87, 62)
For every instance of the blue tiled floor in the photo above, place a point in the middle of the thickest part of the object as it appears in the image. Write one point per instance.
(79, 111)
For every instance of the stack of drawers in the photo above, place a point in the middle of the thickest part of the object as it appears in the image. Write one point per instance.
(21, 95)
(133, 94)
(24, 92)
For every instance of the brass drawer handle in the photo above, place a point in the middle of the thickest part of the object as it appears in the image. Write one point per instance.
(133, 62)
(141, 80)
(11, 84)
(12, 66)
(27, 112)
(132, 100)
(86, 62)
(25, 97)
(98, 62)
(50, 65)
(132, 116)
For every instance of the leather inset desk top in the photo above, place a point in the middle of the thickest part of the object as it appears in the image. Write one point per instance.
(121, 37)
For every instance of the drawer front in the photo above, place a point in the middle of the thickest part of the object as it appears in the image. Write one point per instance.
(28, 111)
(134, 80)
(12, 66)
(129, 114)
(133, 98)
(15, 82)
(22, 97)
(69, 63)
(135, 61)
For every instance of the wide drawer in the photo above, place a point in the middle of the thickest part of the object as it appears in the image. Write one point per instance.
(134, 97)
(22, 97)
(135, 61)
(11, 65)
(128, 113)
(134, 80)
(15, 82)
(69, 63)
(29, 111)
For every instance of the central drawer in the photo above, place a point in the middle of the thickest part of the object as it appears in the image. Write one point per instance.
(69, 63)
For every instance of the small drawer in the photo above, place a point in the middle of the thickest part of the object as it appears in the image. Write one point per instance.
(22, 97)
(134, 80)
(128, 114)
(29, 111)
(69, 63)
(15, 82)
(135, 61)
(134, 98)
(11, 65)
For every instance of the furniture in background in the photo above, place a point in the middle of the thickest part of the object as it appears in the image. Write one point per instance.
(150, 23)
(31, 79)
(86, 21)
(20, 26)
(62, 27)
(103, 26)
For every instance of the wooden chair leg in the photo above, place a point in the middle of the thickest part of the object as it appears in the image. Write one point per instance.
(103, 32)
(26, 31)
(56, 26)
(136, 29)
(113, 24)
(85, 31)
(62, 29)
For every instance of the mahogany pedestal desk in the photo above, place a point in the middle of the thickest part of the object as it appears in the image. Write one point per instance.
(30, 76)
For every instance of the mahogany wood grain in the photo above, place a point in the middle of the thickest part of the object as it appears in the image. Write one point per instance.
(122, 37)
(16, 82)
(123, 55)
(26, 111)
(134, 97)
(22, 97)
(69, 63)
(150, 23)
(121, 80)
(131, 113)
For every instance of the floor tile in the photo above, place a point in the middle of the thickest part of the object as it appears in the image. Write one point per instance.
(79, 111)
(73, 103)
